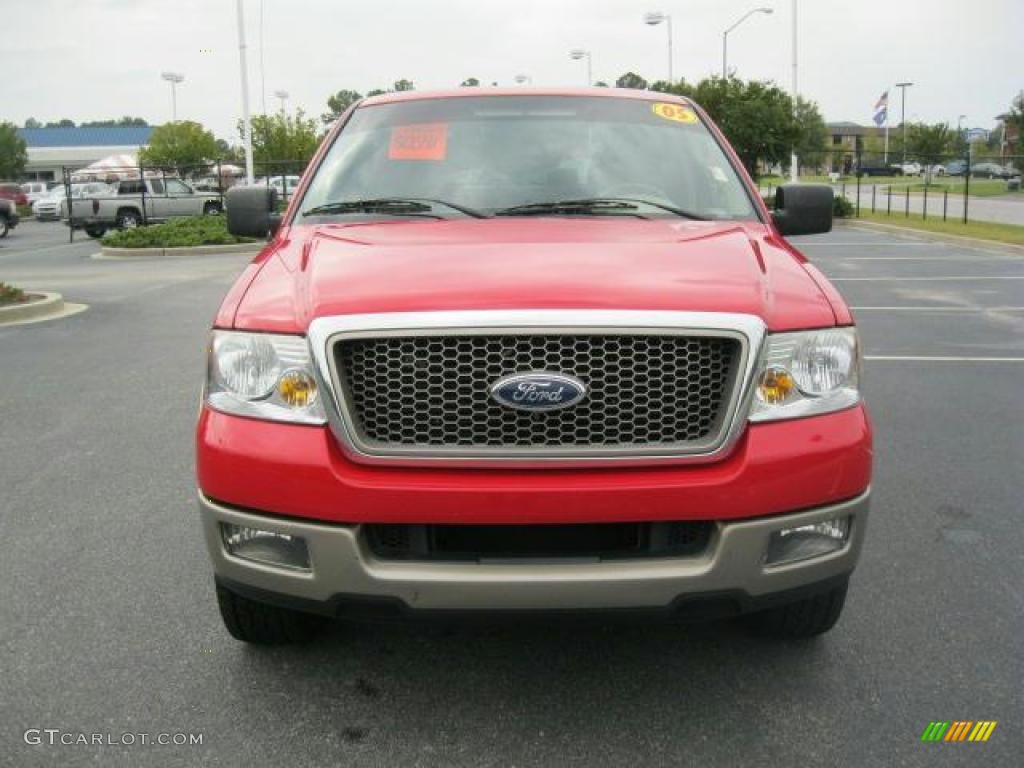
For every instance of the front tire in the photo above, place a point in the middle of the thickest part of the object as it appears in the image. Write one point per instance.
(212, 209)
(4, 227)
(95, 232)
(803, 619)
(262, 624)
(128, 219)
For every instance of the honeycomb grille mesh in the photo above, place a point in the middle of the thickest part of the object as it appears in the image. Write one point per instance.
(435, 390)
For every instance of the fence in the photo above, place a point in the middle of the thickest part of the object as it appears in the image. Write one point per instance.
(947, 187)
(157, 192)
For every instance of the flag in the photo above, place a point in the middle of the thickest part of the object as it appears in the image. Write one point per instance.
(882, 110)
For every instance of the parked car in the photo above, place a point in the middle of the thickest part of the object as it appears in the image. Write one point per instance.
(51, 207)
(956, 167)
(8, 216)
(34, 190)
(10, 190)
(135, 201)
(879, 170)
(910, 169)
(531, 350)
(989, 171)
(935, 170)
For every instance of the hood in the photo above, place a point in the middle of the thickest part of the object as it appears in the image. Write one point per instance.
(530, 263)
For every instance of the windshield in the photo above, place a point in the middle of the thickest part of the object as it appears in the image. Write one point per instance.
(493, 153)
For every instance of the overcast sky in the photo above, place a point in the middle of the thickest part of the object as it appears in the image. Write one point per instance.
(93, 59)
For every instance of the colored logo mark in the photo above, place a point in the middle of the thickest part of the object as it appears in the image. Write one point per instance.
(958, 730)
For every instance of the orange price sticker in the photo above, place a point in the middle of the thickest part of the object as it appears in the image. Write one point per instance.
(421, 141)
(675, 112)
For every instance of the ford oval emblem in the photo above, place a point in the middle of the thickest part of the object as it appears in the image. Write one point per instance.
(538, 391)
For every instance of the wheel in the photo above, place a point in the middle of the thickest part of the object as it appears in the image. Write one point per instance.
(263, 624)
(95, 232)
(128, 219)
(212, 209)
(4, 228)
(802, 619)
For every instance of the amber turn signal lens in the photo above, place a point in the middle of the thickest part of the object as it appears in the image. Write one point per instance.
(297, 389)
(776, 385)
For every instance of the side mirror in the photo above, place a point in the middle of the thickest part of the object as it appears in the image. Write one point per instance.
(803, 209)
(252, 211)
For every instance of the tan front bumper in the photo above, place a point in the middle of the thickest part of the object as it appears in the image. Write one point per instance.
(342, 565)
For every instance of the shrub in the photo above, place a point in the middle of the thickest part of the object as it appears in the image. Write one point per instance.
(841, 207)
(10, 295)
(176, 233)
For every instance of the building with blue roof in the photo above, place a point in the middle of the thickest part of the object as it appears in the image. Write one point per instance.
(50, 149)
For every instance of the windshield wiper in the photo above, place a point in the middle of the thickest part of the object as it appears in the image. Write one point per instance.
(395, 205)
(593, 205)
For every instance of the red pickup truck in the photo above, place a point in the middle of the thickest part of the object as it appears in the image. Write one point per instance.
(527, 350)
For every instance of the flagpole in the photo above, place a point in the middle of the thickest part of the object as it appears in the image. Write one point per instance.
(885, 160)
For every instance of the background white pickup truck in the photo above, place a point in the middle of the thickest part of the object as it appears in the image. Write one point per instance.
(139, 201)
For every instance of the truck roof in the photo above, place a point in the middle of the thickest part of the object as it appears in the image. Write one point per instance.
(455, 93)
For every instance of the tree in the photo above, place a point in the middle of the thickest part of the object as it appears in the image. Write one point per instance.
(811, 133)
(404, 85)
(631, 80)
(13, 152)
(470, 82)
(62, 123)
(33, 123)
(179, 144)
(125, 121)
(600, 84)
(338, 103)
(756, 117)
(281, 137)
(375, 92)
(929, 143)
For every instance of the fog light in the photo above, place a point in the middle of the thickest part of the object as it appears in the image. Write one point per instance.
(268, 547)
(792, 544)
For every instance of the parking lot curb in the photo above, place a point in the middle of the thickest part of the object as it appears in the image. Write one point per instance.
(51, 306)
(194, 250)
(924, 234)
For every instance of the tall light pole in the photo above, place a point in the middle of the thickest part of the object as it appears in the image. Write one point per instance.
(793, 161)
(283, 96)
(725, 37)
(654, 18)
(578, 53)
(903, 115)
(173, 78)
(246, 122)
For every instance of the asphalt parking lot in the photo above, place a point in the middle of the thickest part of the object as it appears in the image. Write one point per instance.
(108, 622)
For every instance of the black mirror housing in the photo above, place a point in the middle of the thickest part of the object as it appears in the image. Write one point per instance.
(803, 209)
(252, 211)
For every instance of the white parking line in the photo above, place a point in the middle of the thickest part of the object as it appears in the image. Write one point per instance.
(923, 279)
(938, 309)
(994, 257)
(938, 359)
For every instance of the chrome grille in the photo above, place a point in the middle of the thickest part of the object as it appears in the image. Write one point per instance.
(644, 389)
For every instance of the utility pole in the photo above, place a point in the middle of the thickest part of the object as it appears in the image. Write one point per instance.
(903, 115)
(246, 122)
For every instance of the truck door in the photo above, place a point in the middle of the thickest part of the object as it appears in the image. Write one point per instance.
(181, 200)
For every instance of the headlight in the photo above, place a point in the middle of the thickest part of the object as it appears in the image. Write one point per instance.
(263, 376)
(808, 373)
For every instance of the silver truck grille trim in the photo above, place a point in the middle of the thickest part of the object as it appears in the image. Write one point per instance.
(666, 387)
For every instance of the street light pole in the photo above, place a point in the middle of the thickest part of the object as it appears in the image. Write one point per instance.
(173, 78)
(903, 115)
(578, 53)
(653, 19)
(246, 122)
(725, 36)
(793, 162)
